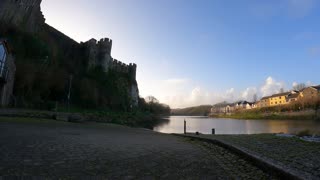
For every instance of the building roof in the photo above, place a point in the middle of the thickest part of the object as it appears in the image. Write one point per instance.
(280, 94)
(222, 104)
(317, 87)
(314, 87)
(267, 97)
(293, 96)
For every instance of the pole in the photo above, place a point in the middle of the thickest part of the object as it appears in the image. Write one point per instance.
(185, 127)
(69, 92)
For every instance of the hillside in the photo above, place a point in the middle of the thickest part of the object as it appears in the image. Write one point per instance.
(203, 110)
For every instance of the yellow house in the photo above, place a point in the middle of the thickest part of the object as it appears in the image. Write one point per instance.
(279, 99)
(264, 102)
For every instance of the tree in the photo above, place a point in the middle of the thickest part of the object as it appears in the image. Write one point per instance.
(299, 87)
(153, 105)
(281, 90)
(151, 99)
(255, 97)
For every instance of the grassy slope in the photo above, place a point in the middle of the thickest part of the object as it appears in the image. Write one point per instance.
(261, 115)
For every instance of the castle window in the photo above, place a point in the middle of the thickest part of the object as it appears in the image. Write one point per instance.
(2, 53)
(3, 56)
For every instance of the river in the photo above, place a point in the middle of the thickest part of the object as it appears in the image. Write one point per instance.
(235, 126)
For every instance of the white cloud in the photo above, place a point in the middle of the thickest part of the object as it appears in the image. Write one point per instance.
(308, 83)
(271, 86)
(249, 93)
(182, 92)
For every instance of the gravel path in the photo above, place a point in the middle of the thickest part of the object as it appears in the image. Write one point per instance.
(58, 149)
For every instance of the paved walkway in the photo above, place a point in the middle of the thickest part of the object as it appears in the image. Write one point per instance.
(55, 149)
(299, 157)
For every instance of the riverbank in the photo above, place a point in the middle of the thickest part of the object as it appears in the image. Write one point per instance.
(292, 154)
(303, 115)
(132, 119)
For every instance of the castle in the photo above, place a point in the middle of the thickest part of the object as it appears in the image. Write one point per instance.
(99, 54)
(26, 15)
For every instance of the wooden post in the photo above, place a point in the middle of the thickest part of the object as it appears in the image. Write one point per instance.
(213, 131)
(185, 127)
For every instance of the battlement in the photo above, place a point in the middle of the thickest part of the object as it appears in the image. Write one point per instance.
(30, 3)
(99, 54)
(103, 46)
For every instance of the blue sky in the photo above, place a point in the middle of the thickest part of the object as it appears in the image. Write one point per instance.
(202, 51)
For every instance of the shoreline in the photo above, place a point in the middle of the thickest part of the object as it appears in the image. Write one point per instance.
(269, 116)
(130, 119)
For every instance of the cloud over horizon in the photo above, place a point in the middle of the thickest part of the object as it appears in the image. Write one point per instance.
(180, 93)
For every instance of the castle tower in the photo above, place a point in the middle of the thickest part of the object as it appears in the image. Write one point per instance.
(132, 71)
(105, 46)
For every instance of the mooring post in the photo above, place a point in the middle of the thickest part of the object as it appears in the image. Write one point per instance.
(213, 131)
(185, 127)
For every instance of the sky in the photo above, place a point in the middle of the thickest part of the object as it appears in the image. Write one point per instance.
(194, 52)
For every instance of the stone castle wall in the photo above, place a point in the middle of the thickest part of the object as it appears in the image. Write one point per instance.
(25, 14)
(99, 54)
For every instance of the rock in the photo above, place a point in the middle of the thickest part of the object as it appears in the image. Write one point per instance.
(76, 118)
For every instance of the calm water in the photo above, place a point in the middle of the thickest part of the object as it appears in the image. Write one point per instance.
(234, 126)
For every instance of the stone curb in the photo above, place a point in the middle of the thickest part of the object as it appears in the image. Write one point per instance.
(262, 163)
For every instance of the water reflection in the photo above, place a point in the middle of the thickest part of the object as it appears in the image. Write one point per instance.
(233, 126)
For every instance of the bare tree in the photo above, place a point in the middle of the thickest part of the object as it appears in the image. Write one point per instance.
(151, 99)
(299, 87)
(255, 97)
(281, 90)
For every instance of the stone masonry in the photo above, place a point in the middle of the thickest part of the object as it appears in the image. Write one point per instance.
(99, 54)
(26, 15)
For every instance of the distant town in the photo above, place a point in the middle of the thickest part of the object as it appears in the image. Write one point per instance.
(305, 97)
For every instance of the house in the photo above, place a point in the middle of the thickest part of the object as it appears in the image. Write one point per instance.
(7, 74)
(243, 105)
(293, 97)
(279, 99)
(220, 108)
(310, 92)
(256, 105)
(230, 108)
(264, 102)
